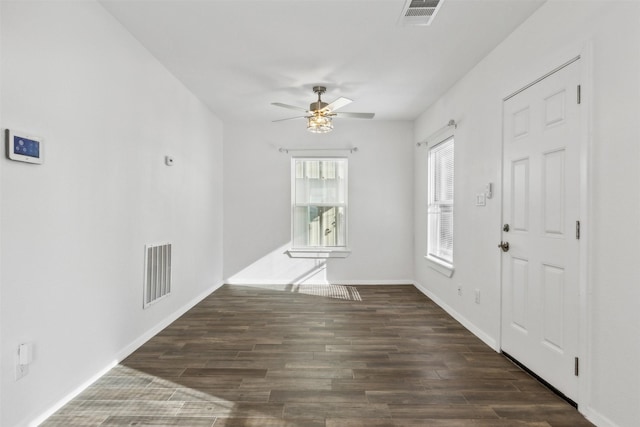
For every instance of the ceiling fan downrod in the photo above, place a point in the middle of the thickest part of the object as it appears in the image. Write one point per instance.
(318, 105)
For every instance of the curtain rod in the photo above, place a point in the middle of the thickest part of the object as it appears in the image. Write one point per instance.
(538, 80)
(451, 123)
(286, 150)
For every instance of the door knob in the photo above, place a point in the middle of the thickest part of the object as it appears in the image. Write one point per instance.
(504, 246)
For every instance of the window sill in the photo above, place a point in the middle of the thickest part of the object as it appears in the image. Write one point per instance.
(318, 253)
(440, 266)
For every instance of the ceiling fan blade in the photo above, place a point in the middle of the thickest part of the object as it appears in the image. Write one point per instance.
(289, 118)
(338, 103)
(291, 107)
(356, 115)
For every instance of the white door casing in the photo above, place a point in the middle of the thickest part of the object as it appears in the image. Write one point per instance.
(541, 205)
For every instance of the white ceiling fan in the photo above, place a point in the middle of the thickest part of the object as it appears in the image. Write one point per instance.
(320, 114)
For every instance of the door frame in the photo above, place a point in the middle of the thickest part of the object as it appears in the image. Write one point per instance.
(583, 57)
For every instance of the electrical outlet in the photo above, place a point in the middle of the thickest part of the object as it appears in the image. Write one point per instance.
(22, 361)
(21, 371)
(477, 296)
(460, 290)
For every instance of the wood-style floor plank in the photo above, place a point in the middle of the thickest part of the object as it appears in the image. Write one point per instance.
(317, 356)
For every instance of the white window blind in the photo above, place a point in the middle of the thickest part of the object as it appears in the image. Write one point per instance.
(440, 200)
(319, 202)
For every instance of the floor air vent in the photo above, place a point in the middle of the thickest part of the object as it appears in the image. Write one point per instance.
(157, 273)
(419, 12)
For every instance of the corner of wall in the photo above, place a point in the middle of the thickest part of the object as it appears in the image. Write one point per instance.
(123, 354)
(473, 328)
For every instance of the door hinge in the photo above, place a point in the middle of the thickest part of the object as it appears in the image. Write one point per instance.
(577, 230)
(577, 367)
(579, 98)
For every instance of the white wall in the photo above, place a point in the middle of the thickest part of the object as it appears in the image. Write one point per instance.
(70, 281)
(555, 33)
(74, 229)
(615, 216)
(257, 202)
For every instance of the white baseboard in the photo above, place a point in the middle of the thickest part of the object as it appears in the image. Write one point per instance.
(596, 418)
(257, 282)
(123, 354)
(317, 282)
(58, 405)
(592, 415)
(373, 282)
(487, 339)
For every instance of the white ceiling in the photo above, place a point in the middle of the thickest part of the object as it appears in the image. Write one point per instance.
(238, 56)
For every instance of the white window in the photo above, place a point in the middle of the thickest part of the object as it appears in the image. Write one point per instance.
(440, 204)
(319, 203)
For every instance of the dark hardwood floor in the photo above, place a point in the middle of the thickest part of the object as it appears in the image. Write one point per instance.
(317, 356)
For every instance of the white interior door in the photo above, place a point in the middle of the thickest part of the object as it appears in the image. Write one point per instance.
(540, 288)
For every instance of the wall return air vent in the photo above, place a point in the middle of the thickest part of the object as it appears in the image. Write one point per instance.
(157, 273)
(419, 12)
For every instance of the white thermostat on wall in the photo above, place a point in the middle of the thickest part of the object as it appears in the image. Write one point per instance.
(24, 147)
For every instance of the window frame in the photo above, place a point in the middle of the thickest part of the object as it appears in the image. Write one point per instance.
(297, 251)
(442, 265)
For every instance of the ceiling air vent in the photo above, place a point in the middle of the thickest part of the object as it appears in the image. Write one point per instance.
(419, 12)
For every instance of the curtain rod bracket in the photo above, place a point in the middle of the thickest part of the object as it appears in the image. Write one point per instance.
(286, 150)
(451, 123)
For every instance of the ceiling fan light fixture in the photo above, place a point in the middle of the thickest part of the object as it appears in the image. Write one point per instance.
(319, 124)
(320, 114)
